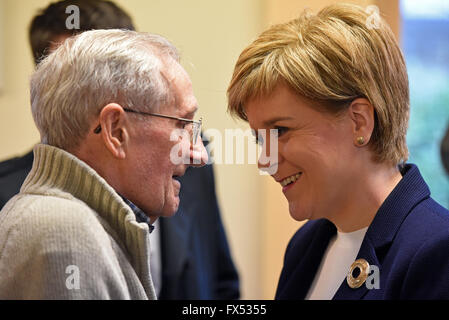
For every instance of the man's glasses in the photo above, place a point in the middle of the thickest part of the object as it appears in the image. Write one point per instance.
(196, 125)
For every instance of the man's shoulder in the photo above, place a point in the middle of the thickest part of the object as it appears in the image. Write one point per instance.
(37, 215)
(46, 234)
(17, 164)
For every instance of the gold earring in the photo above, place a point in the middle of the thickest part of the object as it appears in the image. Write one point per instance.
(360, 141)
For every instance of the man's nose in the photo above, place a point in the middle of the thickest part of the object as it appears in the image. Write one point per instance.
(198, 154)
(269, 168)
(263, 162)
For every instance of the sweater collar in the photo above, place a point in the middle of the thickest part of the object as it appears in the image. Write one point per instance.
(58, 173)
(55, 170)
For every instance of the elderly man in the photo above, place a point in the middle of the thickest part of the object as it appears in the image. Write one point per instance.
(190, 256)
(107, 104)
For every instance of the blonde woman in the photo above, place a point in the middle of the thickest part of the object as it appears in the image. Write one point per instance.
(336, 90)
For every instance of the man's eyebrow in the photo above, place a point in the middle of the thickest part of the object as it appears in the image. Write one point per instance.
(270, 122)
(190, 114)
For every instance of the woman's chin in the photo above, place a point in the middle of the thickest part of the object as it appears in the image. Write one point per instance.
(297, 212)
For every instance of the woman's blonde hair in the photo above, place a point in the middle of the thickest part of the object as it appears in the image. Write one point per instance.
(332, 58)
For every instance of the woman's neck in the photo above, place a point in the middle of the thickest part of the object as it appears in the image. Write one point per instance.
(366, 196)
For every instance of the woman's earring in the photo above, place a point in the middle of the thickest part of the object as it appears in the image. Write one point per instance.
(360, 141)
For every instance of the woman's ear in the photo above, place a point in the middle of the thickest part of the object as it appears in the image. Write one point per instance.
(361, 112)
(114, 131)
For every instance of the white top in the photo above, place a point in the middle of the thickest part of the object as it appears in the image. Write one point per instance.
(340, 254)
(156, 260)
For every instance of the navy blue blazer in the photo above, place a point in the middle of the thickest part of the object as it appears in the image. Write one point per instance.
(12, 174)
(196, 260)
(408, 240)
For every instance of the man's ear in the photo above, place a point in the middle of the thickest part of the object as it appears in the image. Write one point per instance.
(361, 112)
(114, 131)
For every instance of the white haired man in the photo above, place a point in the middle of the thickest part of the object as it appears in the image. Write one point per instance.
(106, 104)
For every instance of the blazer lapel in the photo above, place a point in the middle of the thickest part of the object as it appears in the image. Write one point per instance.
(405, 196)
(295, 284)
(367, 252)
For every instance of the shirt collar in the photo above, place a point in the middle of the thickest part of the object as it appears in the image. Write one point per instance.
(140, 215)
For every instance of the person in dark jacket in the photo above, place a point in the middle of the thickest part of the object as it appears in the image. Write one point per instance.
(333, 89)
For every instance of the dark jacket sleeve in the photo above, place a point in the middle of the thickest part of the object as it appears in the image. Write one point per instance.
(227, 278)
(196, 258)
(12, 175)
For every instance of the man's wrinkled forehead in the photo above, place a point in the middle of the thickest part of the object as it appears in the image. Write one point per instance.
(171, 69)
(180, 85)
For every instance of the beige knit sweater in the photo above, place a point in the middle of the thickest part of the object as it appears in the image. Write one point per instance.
(69, 235)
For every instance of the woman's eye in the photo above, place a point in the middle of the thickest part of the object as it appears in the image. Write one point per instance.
(280, 130)
(276, 132)
(258, 140)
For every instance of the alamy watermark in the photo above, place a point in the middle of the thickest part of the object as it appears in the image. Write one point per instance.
(230, 148)
(73, 20)
(373, 20)
(72, 282)
(373, 279)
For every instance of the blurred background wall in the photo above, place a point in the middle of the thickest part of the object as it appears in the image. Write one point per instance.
(210, 35)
